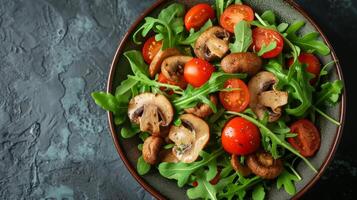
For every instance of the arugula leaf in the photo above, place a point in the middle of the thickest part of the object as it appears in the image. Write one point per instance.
(182, 171)
(269, 17)
(287, 180)
(308, 42)
(324, 71)
(204, 189)
(106, 101)
(191, 96)
(137, 63)
(142, 167)
(298, 85)
(129, 132)
(239, 189)
(125, 87)
(169, 146)
(330, 93)
(243, 37)
(266, 49)
(266, 132)
(258, 192)
(144, 135)
(191, 39)
(167, 26)
(282, 27)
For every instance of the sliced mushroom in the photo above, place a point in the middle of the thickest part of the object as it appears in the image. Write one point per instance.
(202, 110)
(238, 167)
(264, 98)
(264, 165)
(151, 149)
(189, 138)
(167, 156)
(245, 62)
(155, 65)
(150, 111)
(212, 44)
(172, 67)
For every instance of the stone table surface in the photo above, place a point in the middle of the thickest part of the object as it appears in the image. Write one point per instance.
(54, 142)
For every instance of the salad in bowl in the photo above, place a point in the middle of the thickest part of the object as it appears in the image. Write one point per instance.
(224, 99)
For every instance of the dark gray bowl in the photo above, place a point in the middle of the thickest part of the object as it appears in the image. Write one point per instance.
(162, 188)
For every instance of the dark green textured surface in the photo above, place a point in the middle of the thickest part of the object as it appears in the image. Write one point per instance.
(54, 141)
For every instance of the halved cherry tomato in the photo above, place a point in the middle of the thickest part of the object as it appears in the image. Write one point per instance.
(162, 79)
(235, 100)
(263, 36)
(150, 49)
(234, 14)
(308, 140)
(312, 62)
(240, 137)
(197, 72)
(198, 15)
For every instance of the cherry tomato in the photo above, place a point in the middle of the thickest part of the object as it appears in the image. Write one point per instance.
(150, 49)
(312, 62)
(240, 137)
(162, 79)
(262, 36)
(198, 15)
(197, 72)
(234, 14)
(308, 140)
(236, 100)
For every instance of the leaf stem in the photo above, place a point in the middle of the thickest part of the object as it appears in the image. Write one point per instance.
(326, 116)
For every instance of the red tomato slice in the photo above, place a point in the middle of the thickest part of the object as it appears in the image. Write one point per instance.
(240, 137)
(262, 36)
(312, 62)
(234, 14)
(150, 49)
(198, 15)
(197, 72)
(236, 100)
(308, 140)
(162, 79)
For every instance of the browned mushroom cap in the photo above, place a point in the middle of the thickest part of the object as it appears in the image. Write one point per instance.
(212, 44)
(150, 111)
(167, 156)
(202, 110)
(264, 98)
(151, 149)
(172, 67)
(243, 170)
(246, 62)
(264, 165)
(155, 65)
(189, 138)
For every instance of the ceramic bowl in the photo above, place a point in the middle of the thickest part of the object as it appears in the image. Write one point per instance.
(162, 188)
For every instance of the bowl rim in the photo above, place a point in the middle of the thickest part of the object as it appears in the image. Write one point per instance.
(150, 188)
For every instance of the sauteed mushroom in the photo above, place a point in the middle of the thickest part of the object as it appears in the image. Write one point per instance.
(264, 165)
(151, 149)
(150, 111)
(245, 62)
(167, 156)
(155, 65)
(212, 44)
(172, 67)
(202, 110)
(238, 167)
(189, 138)
(264, 98)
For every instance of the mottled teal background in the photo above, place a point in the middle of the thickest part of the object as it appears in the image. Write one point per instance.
(54, 142)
